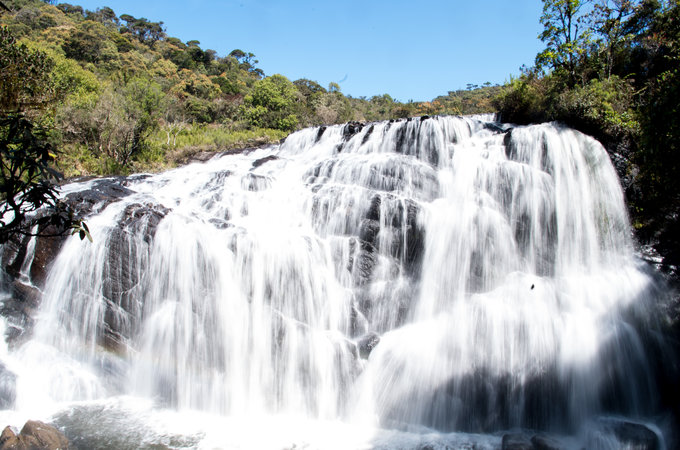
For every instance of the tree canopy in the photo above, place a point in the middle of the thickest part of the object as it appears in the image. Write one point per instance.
(610, 69)
(29, 201)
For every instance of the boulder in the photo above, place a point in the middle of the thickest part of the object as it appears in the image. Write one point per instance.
(628, 434)
(34, 435)
(350, 129)
(258, 162)
(367, 343)
(516, 441)
(544, 442)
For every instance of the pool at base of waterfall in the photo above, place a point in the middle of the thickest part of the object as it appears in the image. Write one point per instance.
(134, 423)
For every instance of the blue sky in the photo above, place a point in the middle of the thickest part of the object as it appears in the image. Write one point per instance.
(412, 50)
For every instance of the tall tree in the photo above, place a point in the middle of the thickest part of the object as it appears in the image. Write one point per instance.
(566, 35)
(610, 20)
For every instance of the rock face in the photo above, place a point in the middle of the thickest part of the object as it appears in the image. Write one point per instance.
(543, 442)
(123, 257)
(34, 435)
(516, 441)
(18, 259)
(367, 343)
(521, 441)
(624, 434)
(258, 162)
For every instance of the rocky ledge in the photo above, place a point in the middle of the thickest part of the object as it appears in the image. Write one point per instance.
(35, 435)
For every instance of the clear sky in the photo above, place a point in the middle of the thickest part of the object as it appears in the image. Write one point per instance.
(412, 50)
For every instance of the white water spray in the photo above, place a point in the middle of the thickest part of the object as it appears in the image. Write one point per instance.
(492, 264)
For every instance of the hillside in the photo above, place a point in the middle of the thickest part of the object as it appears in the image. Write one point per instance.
(126, 96)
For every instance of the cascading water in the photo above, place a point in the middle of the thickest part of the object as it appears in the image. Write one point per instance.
(448, 274)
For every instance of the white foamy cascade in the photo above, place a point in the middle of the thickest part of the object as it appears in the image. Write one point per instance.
(450, 272)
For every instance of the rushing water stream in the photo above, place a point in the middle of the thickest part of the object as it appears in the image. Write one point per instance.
(397, 285)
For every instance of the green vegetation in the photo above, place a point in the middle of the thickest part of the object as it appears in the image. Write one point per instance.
(117, 94)
(26, 176)
(129, 97)
(610, 69)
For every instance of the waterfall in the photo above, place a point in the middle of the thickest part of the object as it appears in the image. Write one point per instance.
(450, 274)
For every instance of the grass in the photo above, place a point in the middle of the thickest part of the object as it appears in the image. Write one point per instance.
(166, 148)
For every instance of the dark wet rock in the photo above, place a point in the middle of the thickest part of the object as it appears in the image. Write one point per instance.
(410, 245)
(350, 129)
(408, 142)
(367, 343)
(423, 118)
(19, 323)
(217, 179)
(628, 174)
(124, 262)
(25, 293)
(516, 441)
(513, 153)
(403, 234)
(35, 435)
(361, 261)
(373, 212)
(254, 183)
(13, 254)
(8, 384)
(367, 135)
(405, 139)
(258, 162)
(320, 172)
(220, 224)
(482, 402)
(101, 194)
(320, 133)
(545, 442)
(496, 127)
(134, 178)
(361, 266)
(368, 231)
(143, 217)
(628, 434)
(18, 309)
(46, 250)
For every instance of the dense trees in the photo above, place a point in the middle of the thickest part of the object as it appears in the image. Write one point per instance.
(566, 35)
(273, 103)
(126, 92)
(127, 96)
(29, 203)
(610, 69)
(24, 78)
(116, 93)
